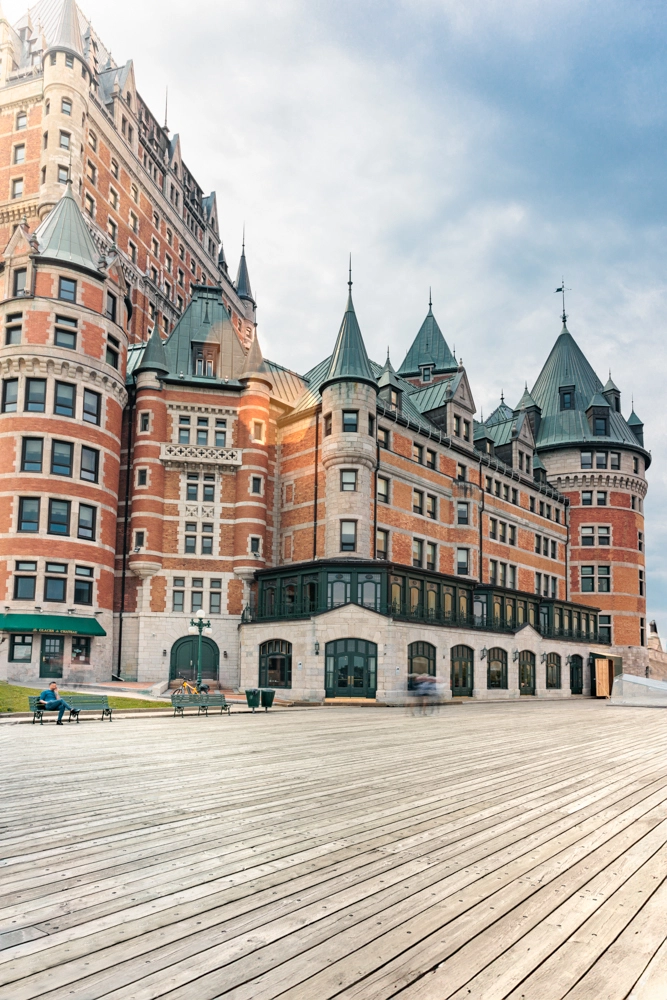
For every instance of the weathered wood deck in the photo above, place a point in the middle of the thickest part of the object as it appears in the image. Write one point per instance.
(486, 852)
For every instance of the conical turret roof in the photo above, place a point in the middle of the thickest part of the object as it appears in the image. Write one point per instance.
(154, 359)
(634, 420)
(389, 377)
(526, 400)
(349, 361)
(68, 32)
(611, 385)
(65, 237)
(243, 289)
(254, 362)
(428, 348)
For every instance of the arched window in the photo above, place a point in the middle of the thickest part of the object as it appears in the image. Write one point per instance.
(275, 664)
(462, 670)
(553, 670)
(526, 672)
(421, 658)
(496, 668)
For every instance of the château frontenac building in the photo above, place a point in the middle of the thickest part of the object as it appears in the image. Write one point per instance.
(342, 529)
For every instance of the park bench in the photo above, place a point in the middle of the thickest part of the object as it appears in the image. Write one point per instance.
(202, 702)
(78, 703)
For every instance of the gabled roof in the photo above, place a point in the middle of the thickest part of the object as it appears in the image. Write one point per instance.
(500, 414)
(63, 236)
(428, 348)
(349, 361)
(243, 289)
(389, 377)
(526, 400)
(154, 359)
(205, 320)
(435, 395)
(567, 366)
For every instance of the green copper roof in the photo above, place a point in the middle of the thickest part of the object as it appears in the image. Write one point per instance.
(435, 395)
(205, 321)
(389, 377)
(243, 289)
(154, 359)
(567, 366)
(500, 414)
(526, 400)
(428, 348)
(64, 236)
(349, 361)
(634, 421)
(611, 385)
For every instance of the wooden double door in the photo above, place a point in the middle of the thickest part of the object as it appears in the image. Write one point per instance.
(351, 669)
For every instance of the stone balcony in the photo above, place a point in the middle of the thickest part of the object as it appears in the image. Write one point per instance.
(186, 454)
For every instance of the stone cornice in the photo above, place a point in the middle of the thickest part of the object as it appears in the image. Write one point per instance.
(596, 480)
(34, 365)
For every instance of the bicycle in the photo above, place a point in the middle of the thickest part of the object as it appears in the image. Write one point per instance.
(187, 687)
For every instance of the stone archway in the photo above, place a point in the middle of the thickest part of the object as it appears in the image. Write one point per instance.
(184, 659)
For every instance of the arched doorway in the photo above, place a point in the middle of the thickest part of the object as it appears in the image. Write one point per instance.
(351, 668)
(184, 659)
(526, 672)
(463, 658)
(576, 674)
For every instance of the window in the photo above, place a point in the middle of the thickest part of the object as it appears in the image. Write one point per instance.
(132, 251)
(586, 498)
(86, 525)
(531, 503)
(348, 536)
(383, 438)
(461, 473)
(28, 514)
(462, 561)
(641, 583)
(142, 477)
(496, 670)
(600, 459)
(383, 490)
(134, 191)
(640, 541)
(65, 332)
(10, 393)
(91, 406)
(55, 588)
(134, 223)
(64, 399)
(67, 289)
(91, 172)
(255, 544)
(348, 480)
(601, 498)
(190, 537)
(493, 571)
(417, 502)
(457, 426)
(587, 579)
(35, 395)
(59, 517)
(371, 424)
(431, 507)
(275, 664)
(587, 460)
(615, 460)
(209, 489)
(21, 121)
(633, 503)
(19, 153)
(538, 544)
(417, 552)
(512, 534)
(24, 588)
(381, 544)
(418, 454)
(31, 455)
(553, 670)
(202, 431)
(114, 169)
(554, 549)
(566, 397)
(90, 459)
(604, 628)
(220, 433)
(207, 540)
(183, 429)
(192, 489)
(215, 599)
(256, 485)
(13, 328)
(112, 307)
(350, 421)
(63, 175)
(20, 648)
(61, 458)
(430, 459)
(588, 536)
(69, 61)
(113, 346)
(431, 555)
(83, 591)
(604, 579)
(600, 426)
(502, 531)
(80, 643)
(258, 431)
(604, 535)
(462, 513)
(20, 276)
(17, 187)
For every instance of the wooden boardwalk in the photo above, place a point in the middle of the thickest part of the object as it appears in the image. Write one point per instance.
(486, 852)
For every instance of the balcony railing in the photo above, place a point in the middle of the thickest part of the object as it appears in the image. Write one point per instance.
(181, 453)
(403, 612)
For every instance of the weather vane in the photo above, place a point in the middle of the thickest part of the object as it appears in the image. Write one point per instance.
(562, 290)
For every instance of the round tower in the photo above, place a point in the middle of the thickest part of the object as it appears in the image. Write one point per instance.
(63, 360)
(349, 451)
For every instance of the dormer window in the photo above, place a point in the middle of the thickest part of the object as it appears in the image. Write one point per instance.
(600, 426)
(395, 398)
(566, 397)
(205, 361)
(427, 373)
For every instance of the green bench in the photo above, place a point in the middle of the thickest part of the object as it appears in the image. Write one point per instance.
(78, 703)
(202, 702)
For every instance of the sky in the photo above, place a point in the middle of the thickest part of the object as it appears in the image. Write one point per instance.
(480, 148)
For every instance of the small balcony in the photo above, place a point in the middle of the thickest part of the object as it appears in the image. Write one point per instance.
(183, 454)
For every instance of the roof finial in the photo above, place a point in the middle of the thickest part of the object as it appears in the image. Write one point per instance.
(349, 279)
(430, 301)
(502, 396)
(166, 107)
(387, 353)
(562, 290)
(243, 240)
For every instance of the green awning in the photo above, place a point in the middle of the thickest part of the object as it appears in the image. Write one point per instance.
(64, 624)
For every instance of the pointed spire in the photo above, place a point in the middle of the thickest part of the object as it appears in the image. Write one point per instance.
(254, 362)
(526, 400)
(388, 376)
(154, 358)
(349, 361)
(64, 235)
(243, 289)
(430, 300)
(68, 32)
(428, 348)
(222, 262)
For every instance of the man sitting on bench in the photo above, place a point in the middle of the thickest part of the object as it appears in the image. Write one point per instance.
(53, 702)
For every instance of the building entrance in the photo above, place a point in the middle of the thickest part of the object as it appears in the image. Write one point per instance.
(351, 669)
(526, 672)
(576, 675)
(184, 659)
(51, 658)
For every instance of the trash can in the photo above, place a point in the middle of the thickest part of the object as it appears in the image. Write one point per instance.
(267, 698)
(252, 697)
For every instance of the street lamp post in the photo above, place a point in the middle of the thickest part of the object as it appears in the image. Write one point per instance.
(199, 627)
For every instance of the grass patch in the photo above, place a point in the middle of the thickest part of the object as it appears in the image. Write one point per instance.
(15, 699)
